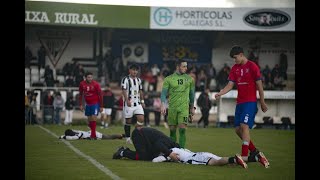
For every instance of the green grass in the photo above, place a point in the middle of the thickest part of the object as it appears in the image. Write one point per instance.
(46, 157)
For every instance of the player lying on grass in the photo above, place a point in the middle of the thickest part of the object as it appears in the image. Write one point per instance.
(71, 134)
(150, 143)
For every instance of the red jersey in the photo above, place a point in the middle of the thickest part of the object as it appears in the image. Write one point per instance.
(245, 77)
(91, 92)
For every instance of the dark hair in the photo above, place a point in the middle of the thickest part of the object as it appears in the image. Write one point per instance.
(87, 74)
(134, 66)
(69, 132)
(179, 61)
(235, 50)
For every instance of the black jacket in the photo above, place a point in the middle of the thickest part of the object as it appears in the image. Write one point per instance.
(149, 143)
(203, 101)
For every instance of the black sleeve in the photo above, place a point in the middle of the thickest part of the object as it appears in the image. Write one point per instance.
(160, 146)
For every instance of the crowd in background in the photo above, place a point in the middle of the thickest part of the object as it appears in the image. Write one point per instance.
(112, 69)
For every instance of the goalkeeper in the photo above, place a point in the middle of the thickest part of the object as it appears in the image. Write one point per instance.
(180, 87)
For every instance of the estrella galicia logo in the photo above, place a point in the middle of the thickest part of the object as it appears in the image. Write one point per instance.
(267, 18)
(162, 16)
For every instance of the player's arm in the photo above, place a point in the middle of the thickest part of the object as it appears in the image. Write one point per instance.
(259, 86)
(191, 97)
(124, 87)
(141, 96)
(163, 96)
(80, 97)
(99, 93)
(225, 90)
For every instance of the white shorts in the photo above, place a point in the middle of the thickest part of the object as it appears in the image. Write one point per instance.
(107, 111)
(130, 111)
(189, 157)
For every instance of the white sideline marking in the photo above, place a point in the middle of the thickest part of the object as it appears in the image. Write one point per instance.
(93, 161)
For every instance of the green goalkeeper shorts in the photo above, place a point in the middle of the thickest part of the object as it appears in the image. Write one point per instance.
(176, 117)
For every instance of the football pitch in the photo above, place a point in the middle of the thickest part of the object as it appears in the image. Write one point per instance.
(47, 157)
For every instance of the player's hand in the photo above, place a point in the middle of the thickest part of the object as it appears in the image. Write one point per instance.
(192, 110)
(163, 110)
(101, 109)
(129, 103)
(81, 108)
(264, 107)
(143, 105)
(217, 96)
(174, 156)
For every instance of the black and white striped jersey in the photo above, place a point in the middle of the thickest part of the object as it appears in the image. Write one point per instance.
(132, 86)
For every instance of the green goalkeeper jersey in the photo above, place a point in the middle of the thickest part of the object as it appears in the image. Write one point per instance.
(180, 88)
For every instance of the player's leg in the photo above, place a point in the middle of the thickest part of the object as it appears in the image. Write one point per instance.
(92, 112)
(108, 117)
(70, 116)
(66, 118)
(182, 123)
(139, 112)
(172, 115)
(128, 114)
(102, 117)
(206, 118)
(124, 152)
(247, 121)
(112, 136)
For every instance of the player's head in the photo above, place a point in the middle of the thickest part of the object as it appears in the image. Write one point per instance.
(181, 66)
(236, 53)
(88, 76)
(69, 132)
(133, 70)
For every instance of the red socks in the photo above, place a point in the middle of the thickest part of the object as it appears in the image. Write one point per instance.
(245, 149)
(251, 146)
(93, 125)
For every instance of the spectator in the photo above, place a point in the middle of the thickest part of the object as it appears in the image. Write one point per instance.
(69, 82)
(201, 81)
(283, 65)
(108, 103)
(67, 70)
(266, 72)
(27, 57)
(58, 104)
(148, 101)
(204, 102)
(42, 57)
(157, 110)
(33, 109)
(48, 76)
(69, 105)
(155, 72)
(27, 100)
(48, 107)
